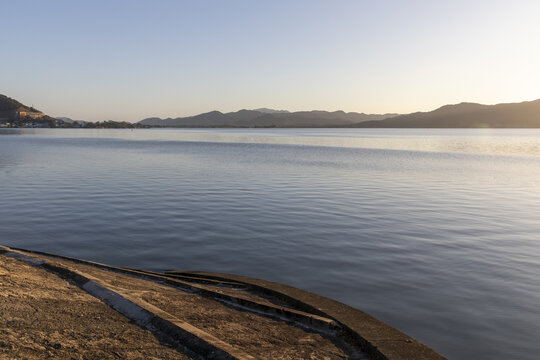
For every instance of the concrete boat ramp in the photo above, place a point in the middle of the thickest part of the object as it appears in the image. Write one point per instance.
(64, 308)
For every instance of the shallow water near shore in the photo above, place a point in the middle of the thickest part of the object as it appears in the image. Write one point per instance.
(435, 232)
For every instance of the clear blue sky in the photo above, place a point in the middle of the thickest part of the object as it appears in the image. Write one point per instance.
(127, 60)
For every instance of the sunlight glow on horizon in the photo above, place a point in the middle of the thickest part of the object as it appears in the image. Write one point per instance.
(128, 60)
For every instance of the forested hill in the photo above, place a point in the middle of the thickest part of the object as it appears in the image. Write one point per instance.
(9, 105)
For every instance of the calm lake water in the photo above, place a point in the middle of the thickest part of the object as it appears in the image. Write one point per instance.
(436, 232)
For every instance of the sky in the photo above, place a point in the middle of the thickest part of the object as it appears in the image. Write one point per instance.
(127, 60)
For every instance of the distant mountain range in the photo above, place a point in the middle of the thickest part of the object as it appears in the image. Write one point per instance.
(466, 115)
(267, 118)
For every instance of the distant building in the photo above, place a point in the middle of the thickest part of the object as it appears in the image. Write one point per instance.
(20, 113)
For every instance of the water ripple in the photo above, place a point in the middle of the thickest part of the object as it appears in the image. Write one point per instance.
(439, 241)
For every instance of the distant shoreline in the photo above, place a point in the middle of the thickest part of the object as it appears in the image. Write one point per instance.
(464, 115)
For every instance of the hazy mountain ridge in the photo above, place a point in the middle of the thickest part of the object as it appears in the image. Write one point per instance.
(464, 115)
(271, 111)
(266, 118)
(467, 115)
